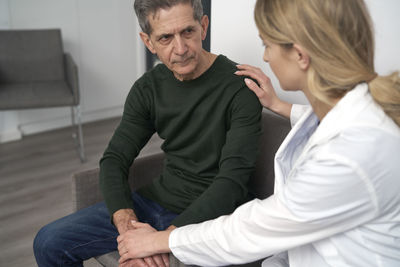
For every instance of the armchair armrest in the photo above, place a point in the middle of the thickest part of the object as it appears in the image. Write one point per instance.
(71, 76)
(85, 189)
(275, 128)
(85, 184)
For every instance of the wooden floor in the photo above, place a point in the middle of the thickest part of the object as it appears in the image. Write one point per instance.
(35, 184)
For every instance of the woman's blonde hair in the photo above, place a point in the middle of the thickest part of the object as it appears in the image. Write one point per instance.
(338, 36)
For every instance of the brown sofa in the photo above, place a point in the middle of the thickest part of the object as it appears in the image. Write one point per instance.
(86, 191)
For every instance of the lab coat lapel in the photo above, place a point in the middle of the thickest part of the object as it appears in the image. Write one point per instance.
(341, 116)
(286, 155)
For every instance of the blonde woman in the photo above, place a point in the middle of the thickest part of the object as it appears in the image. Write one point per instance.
(336, 200)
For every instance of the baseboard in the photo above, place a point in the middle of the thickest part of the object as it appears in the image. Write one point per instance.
(65, 121)
(10, 136)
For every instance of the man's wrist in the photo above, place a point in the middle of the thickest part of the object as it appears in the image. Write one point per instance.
(122, 219)
(171, 227)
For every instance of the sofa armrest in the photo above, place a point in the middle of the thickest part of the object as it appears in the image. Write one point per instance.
(85, 184)
(85, 189)
(275, 128)
(71, 76)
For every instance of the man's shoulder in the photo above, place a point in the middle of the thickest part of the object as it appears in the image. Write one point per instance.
(158, 72)
(148, 82)
(225, 63)
(224, 69)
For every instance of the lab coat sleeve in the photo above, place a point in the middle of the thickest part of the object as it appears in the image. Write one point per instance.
(278, 260)
(321, 198)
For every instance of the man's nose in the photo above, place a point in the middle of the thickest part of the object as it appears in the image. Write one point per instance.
(180, 46)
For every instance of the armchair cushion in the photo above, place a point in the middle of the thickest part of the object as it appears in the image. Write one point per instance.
(31, 56)
(35, 94)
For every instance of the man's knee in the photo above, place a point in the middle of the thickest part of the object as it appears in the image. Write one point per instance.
(46, 245)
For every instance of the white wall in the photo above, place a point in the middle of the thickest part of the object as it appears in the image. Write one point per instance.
(101, 35)
(235, 35)
(385, 15)
(4, 16)
(8, 119)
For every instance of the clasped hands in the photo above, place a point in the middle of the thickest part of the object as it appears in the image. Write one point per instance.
(138, 247)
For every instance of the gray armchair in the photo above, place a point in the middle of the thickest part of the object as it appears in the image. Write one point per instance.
(36, 73)
(86, 191)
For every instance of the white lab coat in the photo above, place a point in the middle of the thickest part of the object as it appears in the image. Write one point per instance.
(336, 200)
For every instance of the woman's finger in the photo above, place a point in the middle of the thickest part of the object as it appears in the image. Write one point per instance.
(254, 87)
(165, 258)
(255, 74)
(123, 258)
(252, 75)
(120, 249)
(150, 261)
(159, 260)
(246, 67)
(250, 69)
(139, 224)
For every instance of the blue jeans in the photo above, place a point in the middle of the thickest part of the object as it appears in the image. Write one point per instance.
(88, 233)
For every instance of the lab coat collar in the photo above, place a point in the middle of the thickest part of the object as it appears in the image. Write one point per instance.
(344, 114)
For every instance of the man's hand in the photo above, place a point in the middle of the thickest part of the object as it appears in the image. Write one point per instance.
(122, 220)
(144, 241)
(171, 227)
(161, 260)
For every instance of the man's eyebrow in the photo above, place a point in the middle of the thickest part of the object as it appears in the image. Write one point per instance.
(166, 34)
(188, 28)
(163, 35)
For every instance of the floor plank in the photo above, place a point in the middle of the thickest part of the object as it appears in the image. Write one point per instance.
(35, 183)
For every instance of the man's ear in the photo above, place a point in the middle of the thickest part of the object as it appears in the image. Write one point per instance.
(204, 26)
(147, 41)
(302, 57)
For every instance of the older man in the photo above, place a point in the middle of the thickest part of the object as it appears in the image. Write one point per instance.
(210, 123)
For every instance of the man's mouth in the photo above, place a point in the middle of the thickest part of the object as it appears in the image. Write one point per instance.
(182, 62)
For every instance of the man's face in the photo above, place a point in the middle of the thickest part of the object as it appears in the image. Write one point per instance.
(176, 39)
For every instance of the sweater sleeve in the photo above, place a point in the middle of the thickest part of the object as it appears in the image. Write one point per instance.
(236, 164)
(133, 132)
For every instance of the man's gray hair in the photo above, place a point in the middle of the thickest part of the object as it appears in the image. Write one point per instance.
(144, 8)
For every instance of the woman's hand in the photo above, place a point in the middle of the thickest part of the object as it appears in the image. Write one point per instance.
(144, 241)
(264, 89)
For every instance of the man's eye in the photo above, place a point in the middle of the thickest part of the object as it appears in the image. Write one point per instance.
(164, 38)
(188, 31)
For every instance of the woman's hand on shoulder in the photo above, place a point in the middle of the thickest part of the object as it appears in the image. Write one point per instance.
(263, 89)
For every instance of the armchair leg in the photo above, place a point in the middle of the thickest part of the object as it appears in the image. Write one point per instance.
(78, 136)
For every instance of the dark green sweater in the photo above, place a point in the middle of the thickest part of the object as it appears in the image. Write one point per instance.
(210, 127)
